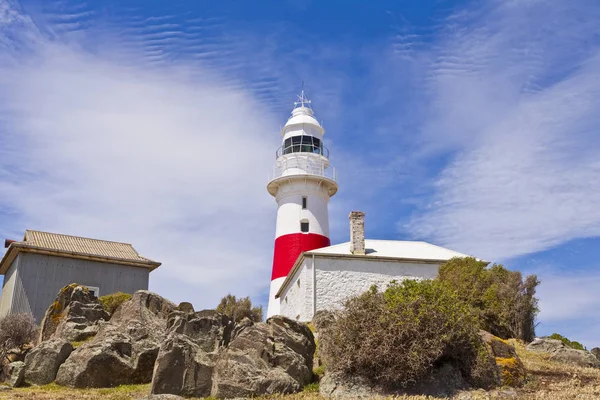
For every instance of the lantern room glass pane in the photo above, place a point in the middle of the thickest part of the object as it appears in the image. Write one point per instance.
(302, 144)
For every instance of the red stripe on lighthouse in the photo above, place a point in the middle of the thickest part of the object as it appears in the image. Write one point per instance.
(289, 247)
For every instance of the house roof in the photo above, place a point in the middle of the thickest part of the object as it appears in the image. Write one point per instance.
(75, 247)
(394, 249)
(390, 250)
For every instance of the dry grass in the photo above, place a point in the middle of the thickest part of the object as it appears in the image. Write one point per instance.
(55, 392)
(547, 380)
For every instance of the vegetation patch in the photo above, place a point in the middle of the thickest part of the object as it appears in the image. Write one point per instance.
(112, 301)
(238, 309)
(567, 342)
(504, 302)
(395, 337)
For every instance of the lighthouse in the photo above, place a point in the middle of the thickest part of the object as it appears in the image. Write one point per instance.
(302, 183)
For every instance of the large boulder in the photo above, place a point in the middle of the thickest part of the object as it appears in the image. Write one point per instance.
(442, 381)
(511, 371)
(16, 373)
(560, 352)
(264, 358)
(43, 361)
(124, 349)
(75, 315)
(187, 356)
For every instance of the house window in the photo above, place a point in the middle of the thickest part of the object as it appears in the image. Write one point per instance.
(304, 226)
(94, 290)
(304, 203)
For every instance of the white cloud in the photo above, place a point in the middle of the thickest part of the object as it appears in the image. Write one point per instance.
(569, 303)
(515, 92)
(171, 159)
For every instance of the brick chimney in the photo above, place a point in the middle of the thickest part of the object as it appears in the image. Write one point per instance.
(357, 232)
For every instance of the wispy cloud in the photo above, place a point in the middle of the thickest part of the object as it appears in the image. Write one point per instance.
(168, 158)
(514, 92)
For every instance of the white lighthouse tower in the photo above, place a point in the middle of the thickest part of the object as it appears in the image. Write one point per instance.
(302, 184)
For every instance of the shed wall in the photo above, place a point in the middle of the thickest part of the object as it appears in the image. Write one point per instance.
(42, 276)
(8, 287)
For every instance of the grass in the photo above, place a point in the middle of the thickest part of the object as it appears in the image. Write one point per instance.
(547, 380)
(53, 391)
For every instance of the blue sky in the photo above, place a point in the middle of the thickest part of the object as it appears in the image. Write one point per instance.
(472, 125)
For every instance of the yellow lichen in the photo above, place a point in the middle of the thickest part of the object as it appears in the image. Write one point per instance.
(511, 370)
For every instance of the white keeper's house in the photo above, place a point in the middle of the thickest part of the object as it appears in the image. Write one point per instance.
(309, 274)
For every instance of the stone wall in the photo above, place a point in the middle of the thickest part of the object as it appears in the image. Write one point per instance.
(338, 279)
(296, 302)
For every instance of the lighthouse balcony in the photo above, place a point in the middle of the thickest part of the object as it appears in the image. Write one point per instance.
(299, 166)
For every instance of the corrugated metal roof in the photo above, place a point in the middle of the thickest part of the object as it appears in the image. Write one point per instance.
(81, 245)
(394, 249)
(75, 247)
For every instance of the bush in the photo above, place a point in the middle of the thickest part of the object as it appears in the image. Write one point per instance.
(567, 342)
(239, 309)
(16, 331)
(112, 301)
(505, 304)
(395, 337)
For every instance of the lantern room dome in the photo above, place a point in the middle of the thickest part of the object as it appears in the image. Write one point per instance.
(302, 114)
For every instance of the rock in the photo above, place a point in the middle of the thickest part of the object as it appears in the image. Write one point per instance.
(18, 353)
(185, 307)
(264, 358)
(511, 371)
(338, 385)
(43, 361)
(185, 360)
(596, 352)
(323, 319)
(321, 322)
(560, 352)
(162, 397)
(16, 373)
(125, 348)
(74, 316)
(4, 388)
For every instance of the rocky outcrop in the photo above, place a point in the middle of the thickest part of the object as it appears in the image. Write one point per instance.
(187, 356)
(16, 373)
(596, 352)
(206, 354)
(560, 352)
(42, 363)
(75, 315)
(265, 358)
(511, 371)
(125, 348)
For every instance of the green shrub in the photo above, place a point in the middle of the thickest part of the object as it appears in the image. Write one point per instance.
(238, 309)
(573, 345)
(112, 301)
(505, 304)
(311, 388)
(396, 336)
